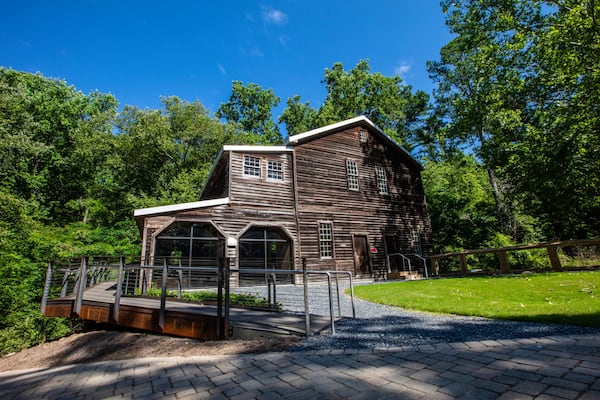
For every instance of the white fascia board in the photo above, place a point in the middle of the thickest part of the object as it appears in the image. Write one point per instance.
(180, 207)
(258, 148)
(304, 135)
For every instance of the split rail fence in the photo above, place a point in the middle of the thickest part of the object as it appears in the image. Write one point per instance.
(552, 256)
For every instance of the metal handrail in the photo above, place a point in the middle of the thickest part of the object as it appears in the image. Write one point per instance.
(422, 259)
(98, 273)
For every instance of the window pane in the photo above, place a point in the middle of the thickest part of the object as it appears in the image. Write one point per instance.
(275, 170)
(352, 174)
(276, 234)
(254, 234)
(173, 249)
(363, 136)
(251, 166)
(325, 240)
(381, 180)
(177, 229)
(205, 230)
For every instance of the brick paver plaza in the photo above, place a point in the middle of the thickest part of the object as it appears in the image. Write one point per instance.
(544, 368)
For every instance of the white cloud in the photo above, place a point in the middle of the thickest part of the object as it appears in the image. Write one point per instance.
(273, 16)
(222, 69)
(402, 69)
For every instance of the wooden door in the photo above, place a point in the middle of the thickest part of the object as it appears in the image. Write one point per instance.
(362, 262)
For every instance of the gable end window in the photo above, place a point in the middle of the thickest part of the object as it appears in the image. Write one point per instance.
(362, 136)
(352, 174)
(381, 180)
(275, 170)
(325, 240)
(252, 166)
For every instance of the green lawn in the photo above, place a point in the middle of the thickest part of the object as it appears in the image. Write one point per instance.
(565, 297)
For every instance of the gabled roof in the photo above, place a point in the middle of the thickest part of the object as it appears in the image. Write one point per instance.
(180, 207)
(360, 120)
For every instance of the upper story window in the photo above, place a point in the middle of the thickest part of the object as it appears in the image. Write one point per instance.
(362, 136)
(352, 174)
(325, 240)
(275, 170)
(251, 166)
(381, 180)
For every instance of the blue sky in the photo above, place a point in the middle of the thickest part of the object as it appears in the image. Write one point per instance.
(142, 50)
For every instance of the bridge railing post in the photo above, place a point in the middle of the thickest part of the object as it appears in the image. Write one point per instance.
(82, 285)
(163, 295)
(47, 285)
(305, 284)
(227, 299)
(117, 306)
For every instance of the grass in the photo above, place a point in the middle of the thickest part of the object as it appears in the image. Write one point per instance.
(571, 298)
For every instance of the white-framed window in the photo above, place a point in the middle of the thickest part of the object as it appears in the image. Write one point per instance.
(416, 242)
(352, 174)
(252, 166)
(325, 240)
(381, 180)
(275, 170)
(362, 136)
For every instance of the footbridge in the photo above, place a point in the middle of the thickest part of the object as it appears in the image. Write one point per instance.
(116, 291)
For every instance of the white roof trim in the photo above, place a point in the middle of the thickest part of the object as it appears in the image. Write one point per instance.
(257, 148)
(293, 140)
(180, 207)
(300, 136)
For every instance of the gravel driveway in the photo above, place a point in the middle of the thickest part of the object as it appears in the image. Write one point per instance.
(378, 325)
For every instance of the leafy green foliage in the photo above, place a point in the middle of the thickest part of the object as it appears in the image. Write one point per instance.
(250, 107)
(385, 100)
(241, 299)
(517, 85)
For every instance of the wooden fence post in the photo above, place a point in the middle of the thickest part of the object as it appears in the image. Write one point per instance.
(504, 267)
(554, 260)
(463, 263)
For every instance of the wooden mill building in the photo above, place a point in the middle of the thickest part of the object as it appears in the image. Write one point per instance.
(344, 196)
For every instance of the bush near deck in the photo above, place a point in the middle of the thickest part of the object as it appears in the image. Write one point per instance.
(565, 298)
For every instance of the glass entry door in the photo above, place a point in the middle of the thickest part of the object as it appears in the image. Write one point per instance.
(264, 248)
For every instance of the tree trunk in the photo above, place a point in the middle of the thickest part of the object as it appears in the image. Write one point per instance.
(502, 211)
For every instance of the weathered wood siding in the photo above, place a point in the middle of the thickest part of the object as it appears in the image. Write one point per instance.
(262, 193)
(318, 193)
(323, 195)
(253, 202)
(218, 184)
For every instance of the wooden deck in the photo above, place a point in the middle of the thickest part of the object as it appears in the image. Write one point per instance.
(191, 320)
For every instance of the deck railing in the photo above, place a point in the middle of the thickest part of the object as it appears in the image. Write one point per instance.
(70, 279)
